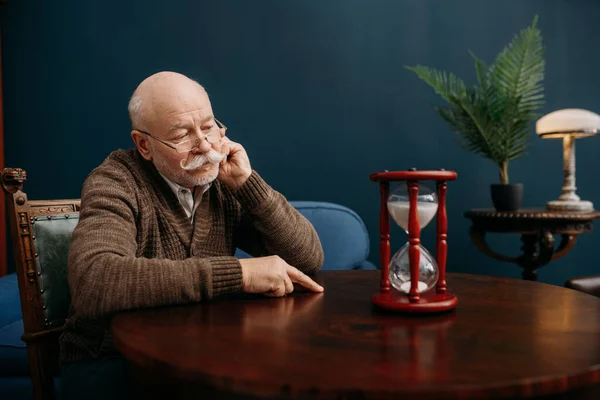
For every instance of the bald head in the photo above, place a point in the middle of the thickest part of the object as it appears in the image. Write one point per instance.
(158, 93)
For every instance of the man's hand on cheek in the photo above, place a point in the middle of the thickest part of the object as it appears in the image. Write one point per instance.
(235, 168)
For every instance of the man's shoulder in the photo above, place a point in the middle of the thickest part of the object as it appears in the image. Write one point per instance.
(126, 158)
(119, 164)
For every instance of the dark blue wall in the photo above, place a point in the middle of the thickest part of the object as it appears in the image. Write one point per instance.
(315, 90)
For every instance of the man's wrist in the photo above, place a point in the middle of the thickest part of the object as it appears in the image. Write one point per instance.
(253, 192)
(236, 184)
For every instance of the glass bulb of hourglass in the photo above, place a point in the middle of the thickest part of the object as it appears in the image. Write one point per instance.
(399, 205)
(399, 268)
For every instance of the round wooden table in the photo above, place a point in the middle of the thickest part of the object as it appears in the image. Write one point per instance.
(507, 338)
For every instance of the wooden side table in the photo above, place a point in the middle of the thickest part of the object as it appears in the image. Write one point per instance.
(537, 227)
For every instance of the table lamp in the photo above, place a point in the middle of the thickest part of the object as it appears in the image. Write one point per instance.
(568, 125)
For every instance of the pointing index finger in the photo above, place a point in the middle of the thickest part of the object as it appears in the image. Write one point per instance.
(300, 278)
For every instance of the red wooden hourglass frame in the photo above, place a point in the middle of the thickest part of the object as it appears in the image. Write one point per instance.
(434, 300)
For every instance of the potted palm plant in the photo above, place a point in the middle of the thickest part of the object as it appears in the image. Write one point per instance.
(492, 119)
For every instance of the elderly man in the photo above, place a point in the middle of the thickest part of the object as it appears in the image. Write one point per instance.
(159, 225)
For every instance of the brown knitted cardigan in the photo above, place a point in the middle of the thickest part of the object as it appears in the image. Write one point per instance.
(134, 246)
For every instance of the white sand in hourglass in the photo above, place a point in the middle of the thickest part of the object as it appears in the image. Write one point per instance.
(399, 211)
(405, 287)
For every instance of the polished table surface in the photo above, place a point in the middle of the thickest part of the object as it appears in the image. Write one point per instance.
(506, 338)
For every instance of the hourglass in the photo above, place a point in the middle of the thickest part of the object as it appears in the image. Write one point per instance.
(418, 279)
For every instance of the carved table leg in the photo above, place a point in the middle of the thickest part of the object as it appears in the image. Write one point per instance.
(566, 244)
(528, 260)
(478, 238)
(546, 248)
(537, 250)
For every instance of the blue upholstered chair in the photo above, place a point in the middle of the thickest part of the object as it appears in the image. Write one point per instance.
(342, 232)
(47, 225)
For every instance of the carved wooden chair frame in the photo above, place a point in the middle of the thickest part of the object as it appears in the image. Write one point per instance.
(41, 334)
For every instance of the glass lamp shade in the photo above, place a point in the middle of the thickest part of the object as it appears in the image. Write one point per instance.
(571, 121)
(399, 268)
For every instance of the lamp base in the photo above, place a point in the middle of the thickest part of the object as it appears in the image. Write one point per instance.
(570, 205)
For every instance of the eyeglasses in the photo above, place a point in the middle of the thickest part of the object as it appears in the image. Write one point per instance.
(190, 143)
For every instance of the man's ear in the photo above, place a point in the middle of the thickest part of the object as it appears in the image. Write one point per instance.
(142, 142)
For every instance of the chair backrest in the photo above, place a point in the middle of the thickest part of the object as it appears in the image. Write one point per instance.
(41, 232)
(342, 232)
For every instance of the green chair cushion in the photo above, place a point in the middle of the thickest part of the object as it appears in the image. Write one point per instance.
(52, 236)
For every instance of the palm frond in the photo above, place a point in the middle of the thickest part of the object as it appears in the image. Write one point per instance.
(444, 84)
(518, 71)
(471, 119)
(483, 77)
(493, 120)
(468, 136)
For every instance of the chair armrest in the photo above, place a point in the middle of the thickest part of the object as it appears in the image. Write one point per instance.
(10, 303)
(586, 284)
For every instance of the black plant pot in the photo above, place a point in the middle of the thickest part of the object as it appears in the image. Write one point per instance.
(507, 197)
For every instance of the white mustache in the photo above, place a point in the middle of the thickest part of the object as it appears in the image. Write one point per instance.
(212, 156)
